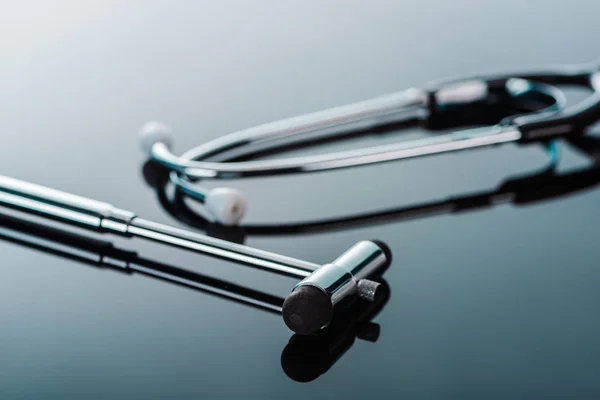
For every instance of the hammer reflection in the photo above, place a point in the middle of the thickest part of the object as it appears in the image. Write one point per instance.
(306, 357)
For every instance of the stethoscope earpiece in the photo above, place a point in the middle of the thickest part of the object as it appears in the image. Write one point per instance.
(154, 132)
(226, 205)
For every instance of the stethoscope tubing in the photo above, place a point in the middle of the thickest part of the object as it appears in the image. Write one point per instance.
(191, 165)
(397, 107)
(544, 119)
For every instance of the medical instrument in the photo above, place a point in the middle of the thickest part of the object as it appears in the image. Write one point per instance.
(531, 188)
(103, 254)
(307, 309)
(465, 102)
(306, 357)
(303, 359)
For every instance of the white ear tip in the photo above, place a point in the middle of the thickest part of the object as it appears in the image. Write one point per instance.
(226, 205)
(155, 132)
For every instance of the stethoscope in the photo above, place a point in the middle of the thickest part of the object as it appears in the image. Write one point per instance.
(528, 109)
(456, 103)
(544, 184)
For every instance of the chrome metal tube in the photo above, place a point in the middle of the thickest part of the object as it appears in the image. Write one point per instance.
(103, 217)
(63, 207)
(462, 140)
(261, 259)
(395, 107)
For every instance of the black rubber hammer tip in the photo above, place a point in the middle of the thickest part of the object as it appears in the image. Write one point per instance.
(307, 309)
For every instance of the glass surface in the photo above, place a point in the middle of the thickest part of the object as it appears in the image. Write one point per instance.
(497, 302)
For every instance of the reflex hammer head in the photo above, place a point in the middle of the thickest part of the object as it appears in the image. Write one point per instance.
(312, 302)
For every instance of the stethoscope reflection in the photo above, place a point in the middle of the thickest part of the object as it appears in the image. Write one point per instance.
(543, 185)
(304, 358)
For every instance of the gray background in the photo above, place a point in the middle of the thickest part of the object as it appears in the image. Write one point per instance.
(496, 303)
